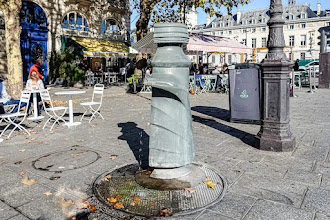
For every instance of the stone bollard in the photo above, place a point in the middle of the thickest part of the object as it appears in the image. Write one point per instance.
(171, 139)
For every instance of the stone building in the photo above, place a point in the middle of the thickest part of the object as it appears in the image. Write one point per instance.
(301, 31)
(47, 24)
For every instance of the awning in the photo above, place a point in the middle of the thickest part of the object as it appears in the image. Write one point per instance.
(103, 48)
(197, 42)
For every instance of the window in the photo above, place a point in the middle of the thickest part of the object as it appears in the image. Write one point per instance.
(303, 26)
(213, 59)
(229, 59)
(302, 56)
(229, 32)
(253, 30)
(243, 30)
(303, 40)
(221, 25)
(291, 40)
(110, 26)
(263, 42)
(213, 33)
(263, 20)
(244, 22)
(253, 21)
(263, 29)
(244, 41)
(74, 21)
(303, 16)
(291, 27)
(254, 43)
(291, 17)
(327, 24)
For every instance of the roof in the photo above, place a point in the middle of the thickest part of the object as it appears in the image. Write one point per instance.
(197, 42)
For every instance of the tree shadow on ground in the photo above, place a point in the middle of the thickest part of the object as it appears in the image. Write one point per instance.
(138, 141)
(222, 114)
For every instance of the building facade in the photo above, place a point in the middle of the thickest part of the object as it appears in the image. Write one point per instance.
(45, 23)
(301, 31)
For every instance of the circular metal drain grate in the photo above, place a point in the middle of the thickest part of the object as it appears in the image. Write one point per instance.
(152, 202)
(66, 160)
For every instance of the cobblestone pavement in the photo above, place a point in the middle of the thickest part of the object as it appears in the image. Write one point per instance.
(262, 185)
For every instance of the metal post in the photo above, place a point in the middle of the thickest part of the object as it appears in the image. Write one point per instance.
(275, 134)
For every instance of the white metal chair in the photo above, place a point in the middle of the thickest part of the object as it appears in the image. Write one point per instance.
(51, 111)
(147, 84)
(11, 118)
(8, 109)
(94, 106)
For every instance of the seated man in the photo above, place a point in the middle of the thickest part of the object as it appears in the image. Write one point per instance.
(5, 99)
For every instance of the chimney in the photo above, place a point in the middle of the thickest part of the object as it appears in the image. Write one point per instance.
(318, 8)
(238, 16)
(208, 20)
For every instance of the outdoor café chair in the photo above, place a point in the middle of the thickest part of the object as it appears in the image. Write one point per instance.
(12, 118)
(200, 83)
(51, 111)
(147, 84)
(8, 109)
(94, 106)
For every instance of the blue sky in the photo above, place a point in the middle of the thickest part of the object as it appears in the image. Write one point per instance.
(255, 4)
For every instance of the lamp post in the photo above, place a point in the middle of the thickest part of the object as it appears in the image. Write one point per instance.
(275, 134)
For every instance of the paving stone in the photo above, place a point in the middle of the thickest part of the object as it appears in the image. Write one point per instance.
(220, 162)
(317, 200)
(308, 178)
(262, 210)
(289, 162)
(311, 152)
(233, 205)
(319, 216)
(244, 154)
(322, 167)
(19, 217)
(209, 215)
(6, 211)
(261, 169)
(325, 183)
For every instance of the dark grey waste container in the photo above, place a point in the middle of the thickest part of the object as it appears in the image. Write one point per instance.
(244, 95)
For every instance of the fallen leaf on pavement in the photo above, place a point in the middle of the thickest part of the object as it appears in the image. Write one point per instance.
(118, 196)
(32, 139)
(66, 139)
(21, 173)
(207, 177)
(165, 212)
(132, 204)
(119, 205)
(64, 203)
(40, 142)
(80, 140)
(113, 157)
(21, 150)
(3, 162)
(210, 184)
(325, 166)
(190, 190)
(28, 182)
(151, 203)
(77, 154)
(47, 193)
(58, 194)
(92, 208)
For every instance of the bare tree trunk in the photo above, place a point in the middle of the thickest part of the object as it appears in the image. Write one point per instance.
(11, 10)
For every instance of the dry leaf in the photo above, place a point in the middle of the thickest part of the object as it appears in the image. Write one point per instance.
(40, 142)
(48, 193)
(28, 182)
(92, 208)
(94, 218)
(21, 173)
(113, 157)
(64, 203)
(132, 204)
(106, 178)
(325, 166)
(190, 190)
(112, 200)
(118, 196)
(119, 205)
(136, 199)
(66, 139)
(58, 194)
(32, 139)
(3, 162)
(77, 154)
(80, 140)
(151, 203)
(207, 177)
(21, 150)
(210, 184)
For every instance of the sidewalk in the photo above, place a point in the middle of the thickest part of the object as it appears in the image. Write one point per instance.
(262, 185)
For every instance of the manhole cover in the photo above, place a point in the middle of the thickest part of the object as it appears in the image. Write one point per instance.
(66, 160)
(120, 184)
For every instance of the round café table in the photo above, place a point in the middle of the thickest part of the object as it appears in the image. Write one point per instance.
(70, 93)
(35, 116)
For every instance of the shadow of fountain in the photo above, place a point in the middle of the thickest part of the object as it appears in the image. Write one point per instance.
(222, 114)
(138, 141)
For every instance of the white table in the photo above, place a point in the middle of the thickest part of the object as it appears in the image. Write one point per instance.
(70, 93)
(35, 116)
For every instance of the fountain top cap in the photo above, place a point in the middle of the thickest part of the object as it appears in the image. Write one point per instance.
(167, 33)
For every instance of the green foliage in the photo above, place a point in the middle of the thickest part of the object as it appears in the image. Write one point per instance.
(63, 65)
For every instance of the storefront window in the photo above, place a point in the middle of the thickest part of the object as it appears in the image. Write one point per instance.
(110, 26)
(75, 21)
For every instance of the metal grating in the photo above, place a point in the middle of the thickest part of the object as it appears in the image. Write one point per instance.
(122, 182)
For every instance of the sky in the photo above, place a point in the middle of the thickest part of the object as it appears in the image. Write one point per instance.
(255, 4)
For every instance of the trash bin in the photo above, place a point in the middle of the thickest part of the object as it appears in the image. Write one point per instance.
(244, 93)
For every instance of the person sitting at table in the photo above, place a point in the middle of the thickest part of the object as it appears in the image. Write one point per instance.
(35, 83)
(5, 99)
